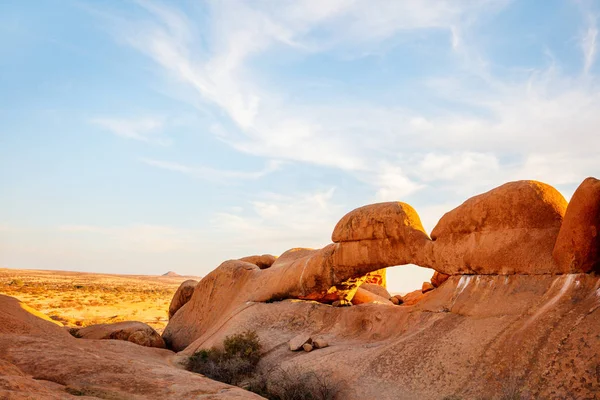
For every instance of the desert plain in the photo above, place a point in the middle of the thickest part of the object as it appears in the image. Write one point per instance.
(83, 299)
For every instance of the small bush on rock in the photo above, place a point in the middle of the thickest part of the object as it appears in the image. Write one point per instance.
(236, 364)
(232, 364)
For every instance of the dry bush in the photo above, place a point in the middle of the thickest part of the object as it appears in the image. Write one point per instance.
(293, 383)
(236, 364)
(232, 364)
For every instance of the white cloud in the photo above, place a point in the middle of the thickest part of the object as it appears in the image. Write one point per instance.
(146, 129)
(217, 68)
(277, 222)
(212, 174)
(393, 183)
(589, 45)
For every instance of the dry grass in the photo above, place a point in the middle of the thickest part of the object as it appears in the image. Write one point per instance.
(82, 299)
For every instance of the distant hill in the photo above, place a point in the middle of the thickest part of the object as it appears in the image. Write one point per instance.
(171, 273)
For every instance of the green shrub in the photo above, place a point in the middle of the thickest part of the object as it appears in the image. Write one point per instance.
(293, 384)
(236, 364)
(232, 364)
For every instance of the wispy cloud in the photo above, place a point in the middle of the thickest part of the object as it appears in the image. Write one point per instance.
(212, 174)
(281, 221)
(496, 128)
(146, 129)
(218, 70)
(589, 45)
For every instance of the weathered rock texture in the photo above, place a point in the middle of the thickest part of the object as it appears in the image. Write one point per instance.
(473, 337)
(132, 331)
(508, 230)
(262, 262)
(438, 278)
(182, 295)
(578, 245)
(40, 360)
(363, 296)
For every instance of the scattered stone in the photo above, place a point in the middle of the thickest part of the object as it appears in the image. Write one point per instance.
(438, 278)
(363, 296)
(376, 289)
(427, 287)
(297, 342)
(307, 347)
(412, 298)
(395, 300)
(320, 343)
(398, 298)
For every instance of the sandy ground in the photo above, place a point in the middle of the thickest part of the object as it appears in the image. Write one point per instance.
(82, 299)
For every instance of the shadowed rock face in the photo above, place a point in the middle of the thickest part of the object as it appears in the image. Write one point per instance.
(132, 331)
(40, 360)
(182, 295)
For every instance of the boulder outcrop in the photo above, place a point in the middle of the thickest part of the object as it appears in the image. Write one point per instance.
(474, 337)
(509, 230)
(182, 295)
(427, 287)
(376, 289)
(363, 296)
(264, 261)
(577, 247)
(132, 331)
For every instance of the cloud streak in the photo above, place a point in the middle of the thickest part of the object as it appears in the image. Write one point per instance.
(212, 174)
(146, 129)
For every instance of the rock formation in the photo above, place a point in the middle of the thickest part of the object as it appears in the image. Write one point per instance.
(438, 278)
(40, 360)
(508, 230)
(132, 331)
(262, 262)
(578, 244)
(182, 295)
(513, 305)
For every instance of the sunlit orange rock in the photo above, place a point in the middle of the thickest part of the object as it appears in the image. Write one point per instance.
(378, 221)
(438, 278)
(264, 261)
(18, 318)
(427, 287)
(182, 295)
(577, 247)
(363, 296)
(509, 230)
(40, 360)
(377, 289)
(412, 298)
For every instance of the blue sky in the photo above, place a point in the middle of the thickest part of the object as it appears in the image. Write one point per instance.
(143, 136)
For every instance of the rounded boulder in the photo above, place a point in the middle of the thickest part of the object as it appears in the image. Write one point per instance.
(577, 247)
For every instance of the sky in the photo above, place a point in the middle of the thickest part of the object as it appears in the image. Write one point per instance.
(143, 136)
